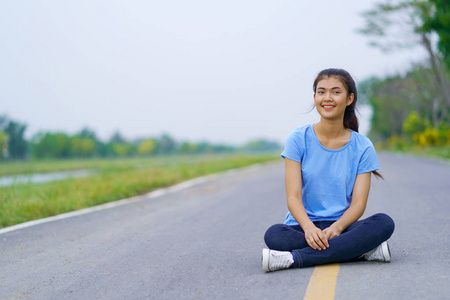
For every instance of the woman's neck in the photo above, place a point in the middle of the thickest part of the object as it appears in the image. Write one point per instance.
(332, 135)
(331, 129)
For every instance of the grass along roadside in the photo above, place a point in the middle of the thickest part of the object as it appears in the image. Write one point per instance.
(435, 152)
(115, 180)
(442, 152)
(46, 166)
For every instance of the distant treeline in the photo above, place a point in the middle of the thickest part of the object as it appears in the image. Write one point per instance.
(411, 109)
(85, 144)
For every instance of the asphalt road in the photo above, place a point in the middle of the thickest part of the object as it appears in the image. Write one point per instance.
(205, 242)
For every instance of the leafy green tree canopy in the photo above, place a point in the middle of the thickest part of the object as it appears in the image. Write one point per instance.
(17, 145)
(439, 22)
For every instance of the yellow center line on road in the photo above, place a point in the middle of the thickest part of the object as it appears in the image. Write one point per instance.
(322, 284)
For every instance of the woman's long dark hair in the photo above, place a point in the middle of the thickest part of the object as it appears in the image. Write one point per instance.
(350, 118)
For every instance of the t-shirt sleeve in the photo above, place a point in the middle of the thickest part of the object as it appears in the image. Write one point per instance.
(368, 161)
(294, 147)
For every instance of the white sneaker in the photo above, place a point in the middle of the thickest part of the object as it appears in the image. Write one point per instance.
(380, 253)
(273, 260)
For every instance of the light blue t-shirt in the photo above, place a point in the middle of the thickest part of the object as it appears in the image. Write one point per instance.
(328, 175)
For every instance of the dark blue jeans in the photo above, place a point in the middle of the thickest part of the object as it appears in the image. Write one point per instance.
(359, 238)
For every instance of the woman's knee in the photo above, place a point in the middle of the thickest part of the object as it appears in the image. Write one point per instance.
(386, 221)
(272, 235)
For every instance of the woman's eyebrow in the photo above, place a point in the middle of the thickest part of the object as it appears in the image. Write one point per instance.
(333, 88)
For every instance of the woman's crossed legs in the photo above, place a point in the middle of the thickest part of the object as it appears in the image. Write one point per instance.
(358, 239)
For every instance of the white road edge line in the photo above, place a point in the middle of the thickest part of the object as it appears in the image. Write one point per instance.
(156, 193)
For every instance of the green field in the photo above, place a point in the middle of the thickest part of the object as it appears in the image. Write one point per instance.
(441, 152)
(113, 179)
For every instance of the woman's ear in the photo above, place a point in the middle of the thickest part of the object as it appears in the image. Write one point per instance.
(350, 99)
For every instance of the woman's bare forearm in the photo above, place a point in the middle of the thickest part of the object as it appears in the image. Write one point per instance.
(358, 204)
(352, 215)
(295, 206)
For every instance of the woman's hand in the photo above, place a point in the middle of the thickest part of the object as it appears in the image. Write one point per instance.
(315, 238)
(331, 232)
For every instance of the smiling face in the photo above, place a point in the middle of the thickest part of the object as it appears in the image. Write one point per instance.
(331, 98)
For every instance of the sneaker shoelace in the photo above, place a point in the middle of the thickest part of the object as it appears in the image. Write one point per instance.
(280, 260)
(376, 254)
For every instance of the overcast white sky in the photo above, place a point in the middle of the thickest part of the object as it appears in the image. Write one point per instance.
(222, 71)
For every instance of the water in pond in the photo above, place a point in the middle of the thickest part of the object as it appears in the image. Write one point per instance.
(42, 177)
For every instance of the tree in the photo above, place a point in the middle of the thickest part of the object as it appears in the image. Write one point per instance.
(51, 145)
(205, 147)
(3, 144)
(167, 144)
(122, 149)
(389, 108)
(17, 145)
(87, 133)
(187, 147)
(261, 145)
(402, 24)
(117, 138)
(118, 145)
(85, 143)
(394, 98)
(147, 147)
(82, 146)
(439, 22)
